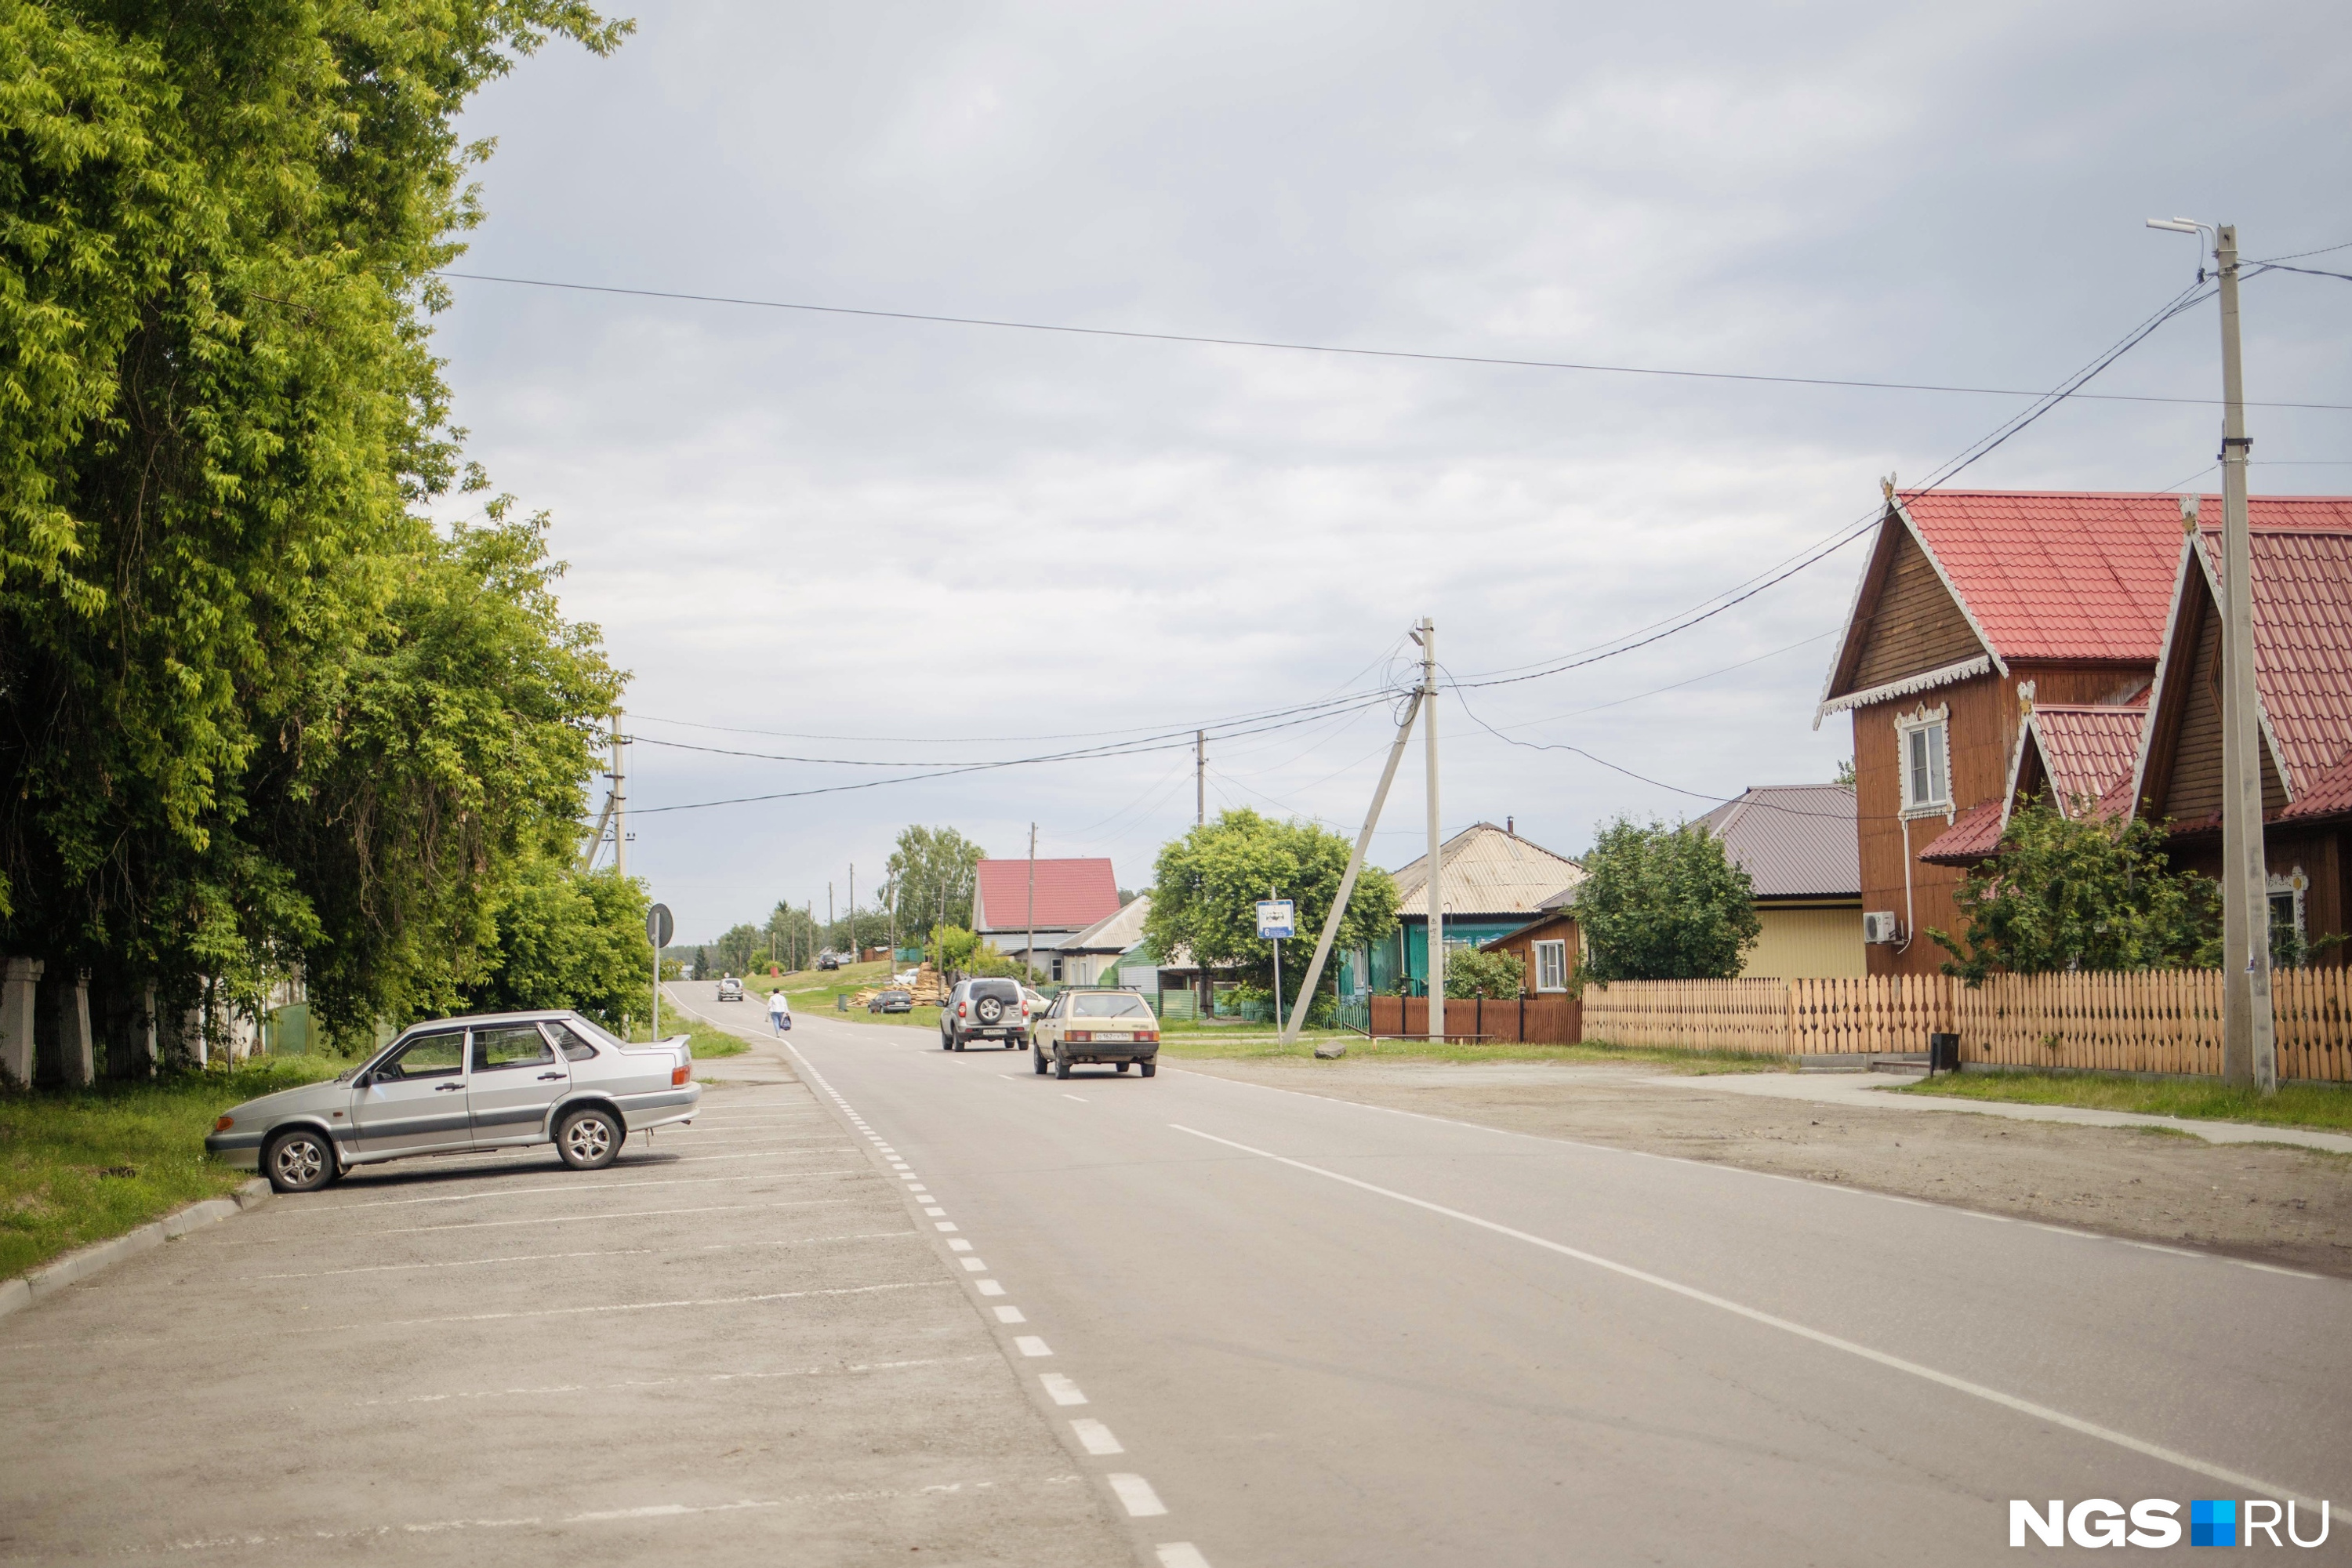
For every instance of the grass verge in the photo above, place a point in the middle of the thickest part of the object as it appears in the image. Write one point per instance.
(708, 1042)
(2321, 1106)
(82, 1167)
(1206, 1046)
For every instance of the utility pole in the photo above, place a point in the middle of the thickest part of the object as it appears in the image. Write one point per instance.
(620, 797)
(852, 912)
(1347, 878)
(1029, 953)
(1200, 778)
(828, 914)
(1434, 889)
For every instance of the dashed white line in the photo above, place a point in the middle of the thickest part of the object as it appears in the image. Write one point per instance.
(955, 1243)
(973, 1264)
(1096, 1437)
(1009, 1315)
(1030, 1345)
(945, 1224)
(1135, 1493)
(1180, 1554)
(989, 1286)
(1060, 1389)
(934, 1213)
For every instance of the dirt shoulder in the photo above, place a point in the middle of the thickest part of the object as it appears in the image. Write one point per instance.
(2285, 1205)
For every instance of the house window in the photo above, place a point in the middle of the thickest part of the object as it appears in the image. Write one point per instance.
(1925, 756)
(1551, 966)
(2287, 949)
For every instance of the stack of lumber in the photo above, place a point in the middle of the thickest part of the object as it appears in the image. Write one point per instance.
(928, 989)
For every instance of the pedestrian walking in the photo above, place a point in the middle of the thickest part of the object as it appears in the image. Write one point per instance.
(780, 1012)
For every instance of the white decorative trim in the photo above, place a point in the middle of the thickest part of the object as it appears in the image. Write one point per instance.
(1926, 682)
(1920, 718)
(2293, 882)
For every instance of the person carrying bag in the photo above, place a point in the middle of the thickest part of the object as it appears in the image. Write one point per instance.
(780, 1012)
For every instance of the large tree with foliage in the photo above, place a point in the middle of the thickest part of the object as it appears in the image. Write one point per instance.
(934, 872)
(569, 939)
(1663, 903)
(1207, 885)
(242, 726)
(2081, 893)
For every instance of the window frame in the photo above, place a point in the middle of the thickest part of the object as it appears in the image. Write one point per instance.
(1935, 723)
(1548, 948)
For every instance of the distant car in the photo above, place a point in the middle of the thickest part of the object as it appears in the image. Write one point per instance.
(455, 1085)
(827, 961)
(891, 1002)
(730, 989)
(1115, 1027)
(992, 1010)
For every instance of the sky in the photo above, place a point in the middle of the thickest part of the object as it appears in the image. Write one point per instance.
(873, 541)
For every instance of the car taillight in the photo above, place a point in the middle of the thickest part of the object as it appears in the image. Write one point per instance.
(963, 1010)
(225, 1123)
(1150, 1036)
(1080, 1036)
(678, 1075)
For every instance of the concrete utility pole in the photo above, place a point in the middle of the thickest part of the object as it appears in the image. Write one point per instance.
(1029, 953)
(828, 914)
(852, 912)
(1339, 908)
(1434, 890)
(620, 797)
(2249, 1045)
(1200, 778)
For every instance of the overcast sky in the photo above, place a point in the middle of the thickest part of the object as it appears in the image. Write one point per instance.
(942, 540)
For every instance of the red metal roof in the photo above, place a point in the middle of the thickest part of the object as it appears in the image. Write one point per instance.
(2303, 637)
(1973, 835)
(2058, 575)
(2087, 750)
(1071, 894)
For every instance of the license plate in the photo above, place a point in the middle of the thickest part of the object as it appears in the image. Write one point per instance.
(1112, 1037)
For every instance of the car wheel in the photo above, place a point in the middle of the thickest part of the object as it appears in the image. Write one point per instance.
(943, 1042)
(1148, 1068)
(1038, 1058)
(1061, 1064)
(959, 1043)
(588, 1140)
(301, 1161)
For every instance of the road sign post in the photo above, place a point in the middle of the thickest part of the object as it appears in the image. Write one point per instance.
(659, 929)
(1276, 919)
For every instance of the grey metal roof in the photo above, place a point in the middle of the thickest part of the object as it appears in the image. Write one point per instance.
(1115, 932)
(1792, 840)
(1487, 872)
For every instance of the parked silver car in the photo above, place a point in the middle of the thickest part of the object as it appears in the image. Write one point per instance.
(491, 1080)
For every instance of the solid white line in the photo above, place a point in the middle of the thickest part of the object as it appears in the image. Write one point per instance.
(1180, 1554)
(1136, 1492)
(614, 1252)
(1960, 1384)
(576, 1188)
(989, 1286)
(1009, 1315)
(628, 1307)
(1060, 1389)
(564, 1219)
(667, 1382)
(1079, 1098)
(1030, 1345)
(1096, 1437)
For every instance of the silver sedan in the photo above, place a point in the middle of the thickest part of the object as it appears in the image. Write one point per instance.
(491, 1080)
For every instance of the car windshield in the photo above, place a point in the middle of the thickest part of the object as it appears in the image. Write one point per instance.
(1111, 1005)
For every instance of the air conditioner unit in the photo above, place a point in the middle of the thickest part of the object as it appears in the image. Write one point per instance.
(1881, 927)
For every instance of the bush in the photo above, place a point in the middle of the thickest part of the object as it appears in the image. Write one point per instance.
(1470, 973)
(1663, 903)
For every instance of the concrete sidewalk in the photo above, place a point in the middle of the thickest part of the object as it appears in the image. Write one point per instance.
(1865, 1089)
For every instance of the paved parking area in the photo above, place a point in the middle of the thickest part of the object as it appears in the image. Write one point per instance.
(741, 1342)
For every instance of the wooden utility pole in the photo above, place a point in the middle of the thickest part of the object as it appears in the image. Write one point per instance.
(1433, 890)
(1029, 953)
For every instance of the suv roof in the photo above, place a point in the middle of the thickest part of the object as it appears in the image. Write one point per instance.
(995, 985)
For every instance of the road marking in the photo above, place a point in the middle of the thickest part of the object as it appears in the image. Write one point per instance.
(1958, 1385)
(934, 1213)
(621, 1307)
(1060, 1389)
(667, 1382)
(989, 1288)
(955, 1243)
(1180, 1554)
(1009, 1315)
(616, 1252)
(559, 1219)
(1136, 1492)
(314, 1210)
(1096, 1437)
(1030, 1345)
(1079, 1098)
(973, 1264)
(2273, 1269)
(945, 1224)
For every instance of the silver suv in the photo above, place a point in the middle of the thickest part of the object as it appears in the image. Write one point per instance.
(491, 1080)
(992, 1010)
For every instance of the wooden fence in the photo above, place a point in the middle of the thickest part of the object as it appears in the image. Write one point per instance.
(1773, 1018)
(1546, 1020)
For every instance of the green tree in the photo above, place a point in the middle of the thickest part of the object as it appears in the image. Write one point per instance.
(1663, 903)
(222, 416)
(933, 873)
(1470, 973)
(740, 949)
(2081, 893)
(793, 936)
(567, 938)
(1204, 898)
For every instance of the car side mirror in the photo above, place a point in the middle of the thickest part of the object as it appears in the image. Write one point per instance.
(362, 1081)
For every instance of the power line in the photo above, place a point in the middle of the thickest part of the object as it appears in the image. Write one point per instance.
(1425, 357)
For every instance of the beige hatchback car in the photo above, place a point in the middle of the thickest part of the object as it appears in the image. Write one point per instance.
(1114, 1027)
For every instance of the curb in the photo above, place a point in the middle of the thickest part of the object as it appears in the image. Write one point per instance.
(49, 1279)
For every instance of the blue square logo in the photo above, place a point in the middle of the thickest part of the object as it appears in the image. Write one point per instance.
(2213, 1522)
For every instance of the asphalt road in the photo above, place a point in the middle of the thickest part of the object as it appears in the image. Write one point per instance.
(1318, 1332)
(738, 1343)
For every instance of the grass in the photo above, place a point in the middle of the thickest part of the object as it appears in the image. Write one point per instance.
(1207, 1046)
(817, 991)
(2320, 1106)
(81, 1167)
(706, 1042)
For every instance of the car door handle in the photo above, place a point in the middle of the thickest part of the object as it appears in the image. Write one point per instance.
(447, 1087)
(548, 1077)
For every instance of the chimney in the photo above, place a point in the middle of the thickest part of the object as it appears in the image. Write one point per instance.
(1511, 825)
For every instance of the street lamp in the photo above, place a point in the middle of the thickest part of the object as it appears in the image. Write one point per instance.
(2248, 1051)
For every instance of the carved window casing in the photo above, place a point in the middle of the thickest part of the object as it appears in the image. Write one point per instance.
(1923, 754)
